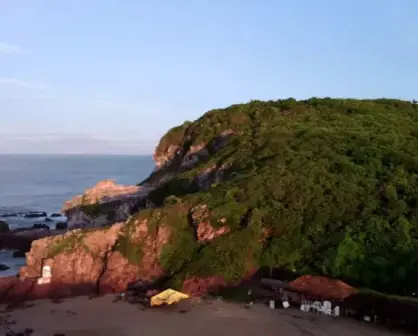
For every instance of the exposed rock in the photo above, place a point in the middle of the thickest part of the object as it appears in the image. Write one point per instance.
(162, 159)
(61, 226)
(177, 148)
(4, 267)
(103, 205)
(119, 272)
(92, 258)
(104, 191)
(55, 215)
(4, 227)
(199, 286)
(205, 232)
(74, 256)
(195, 154)
(6, 215)
(48, 220)
(35, 214)
(210, 175)
(21, 239)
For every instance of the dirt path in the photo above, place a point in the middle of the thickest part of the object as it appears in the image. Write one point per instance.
(102, 317)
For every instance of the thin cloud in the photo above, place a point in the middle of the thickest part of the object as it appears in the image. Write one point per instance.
(10, 82)
(55, 142)
(10, 49)
(14, 89)
(30, 97)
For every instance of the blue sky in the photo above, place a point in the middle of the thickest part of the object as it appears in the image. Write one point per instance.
(102, 76)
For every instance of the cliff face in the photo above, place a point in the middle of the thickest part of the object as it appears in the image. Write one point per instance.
(325, 186)
(145, 248)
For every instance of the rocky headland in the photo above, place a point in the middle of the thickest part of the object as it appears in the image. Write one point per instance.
(322, 186)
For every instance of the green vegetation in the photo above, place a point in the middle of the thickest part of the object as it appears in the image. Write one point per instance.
(127, 245)
(72, 241)
(93, 210)
(334, 182)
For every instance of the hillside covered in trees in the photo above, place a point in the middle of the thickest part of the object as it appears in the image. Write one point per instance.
(322, 186)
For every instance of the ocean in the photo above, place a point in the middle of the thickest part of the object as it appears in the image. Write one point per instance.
(42, 183)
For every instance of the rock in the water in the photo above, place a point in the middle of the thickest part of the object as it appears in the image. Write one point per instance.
(40, 226)
(4, 267)
(48, 220)
(21, 239)
(19, 254)
(6, 215)
(35, 214)
(4, 227)
(55, 215)
(61, 226)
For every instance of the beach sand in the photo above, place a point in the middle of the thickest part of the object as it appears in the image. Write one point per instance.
(103, 317)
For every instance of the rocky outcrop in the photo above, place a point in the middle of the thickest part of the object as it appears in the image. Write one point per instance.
(100, 214)
(76, 256)
(35, 214)
(205, 232)
(187, 155)
(162, 158)
(104, 191)
(97, 261)
(104, 204)
(207, 176)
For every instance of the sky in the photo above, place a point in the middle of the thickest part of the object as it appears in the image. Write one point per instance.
(111, 77)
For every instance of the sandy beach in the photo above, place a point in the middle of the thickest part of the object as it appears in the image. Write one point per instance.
(103, 317)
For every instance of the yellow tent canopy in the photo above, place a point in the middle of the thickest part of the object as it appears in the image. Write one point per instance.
(169, 297)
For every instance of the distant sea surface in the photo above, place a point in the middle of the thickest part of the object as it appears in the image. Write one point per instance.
(43, 183)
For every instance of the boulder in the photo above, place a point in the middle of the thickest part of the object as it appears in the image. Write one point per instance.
(19, 254)
(4, 267)
(21, 239)
(4, 227)
(61, 226)
(55, 215)
(48, 220)
(35, 215)
(6, 215)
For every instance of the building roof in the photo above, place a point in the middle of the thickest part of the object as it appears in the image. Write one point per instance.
(323, 287)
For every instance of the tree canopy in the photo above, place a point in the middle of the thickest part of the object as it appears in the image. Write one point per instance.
(333, 182)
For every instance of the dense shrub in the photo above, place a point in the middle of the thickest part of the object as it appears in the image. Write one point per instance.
(333, 181)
